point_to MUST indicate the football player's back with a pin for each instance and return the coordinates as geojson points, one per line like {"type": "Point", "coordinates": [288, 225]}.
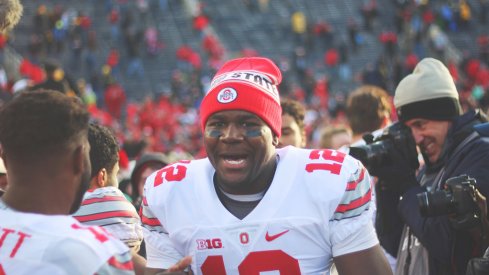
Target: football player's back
{"type": "Point", "coordinates": [44, 142]}
{"type": "Point", "coordinates": [57, 243]}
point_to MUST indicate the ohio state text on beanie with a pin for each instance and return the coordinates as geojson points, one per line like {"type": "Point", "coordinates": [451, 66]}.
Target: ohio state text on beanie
{"type": "Point", "coordinates": [248, 84]}
{"type": "Point", "coordinates": [429, 92]}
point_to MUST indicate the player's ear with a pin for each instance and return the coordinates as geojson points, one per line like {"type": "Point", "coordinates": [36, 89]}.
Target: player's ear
{"type": "Point", "coordinates": [78, 164]}
{"type": "Point", "coordinates": [304, 138]}
{"type": "Point", "coordinates": [102, 178]}
{"type": "Point", "coordinates": [275, 140]}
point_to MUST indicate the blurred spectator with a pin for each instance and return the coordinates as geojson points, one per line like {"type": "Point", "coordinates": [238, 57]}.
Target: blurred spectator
{"type": "Point", "coordinates": [133, 39]}
{"type": "Point", "coordinates": [353, 35]}
{"type": "Point", "coordinates": [299, 26]}
{"type": "Point", "coordinates": [483, 43]}
{"type": "Point", "coordinates": [465, 14]}
{"type": "Point", "coordinates": [113, 19]}
{"type": "Point", "coordinates": [321, 93]}
{"type": "Point", "coordinates": [143, 6]}
{"type": "Point", "coordinates": [200, 22]}
{"type": "Point", "coordinates": [484, 8]}
{"type": "Point", "coordinates": [31, 71]}
{"type": "Point", "coordinates": [331, 57]}
{"type": "Point", "coordinates": [42, 27]}
{"type": "Point", "coordinates": [293, 128]}
{"type": "Point", "coordinates": [299, 61]}
{"type": "Point", "coordinates": [77, 46]}
{"type": "Point", "coordinates": [91, 53]}
{"type": "Point", "coordinates": [57, 80]}
{"type": "Point", "coordinates": [325, 33]}
{"type": "Point", "coordinates": [368, 110]}
{"type": "Point", "coordinates": [335, 137]}
{"type": "Point", "coordinates": [113, 62]}
{"type": "Point", "coordinates": [389, 40]}
{"type": "Point", "coordinates": [60, 32]}
{"type": "Point", "coordinates": [115, 99]}
{"type": "Point", "coordinates": [372, 76]}
{"type": "Point", "coordinates": [369, 12]}
{"type": "Point", "coordinates": [153, 44]}
{"type": "Point", "coordinates": [145, 166]}
{"type": "Point", "coordinates": [410, 63]}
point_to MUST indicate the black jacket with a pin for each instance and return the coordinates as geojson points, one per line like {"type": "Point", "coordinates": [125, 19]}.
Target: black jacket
{"type": "Point", "coordinates": [466, 152]}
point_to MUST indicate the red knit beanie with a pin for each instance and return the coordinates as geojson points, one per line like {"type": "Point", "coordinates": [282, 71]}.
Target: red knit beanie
{"type": "Point", "coordinates": [248, 84]}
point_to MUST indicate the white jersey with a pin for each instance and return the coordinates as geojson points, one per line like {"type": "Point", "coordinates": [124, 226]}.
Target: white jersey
{"type": "Point", "coordinates": [317, 207]}
{"type": "Point", "coordinates": [108, 207]}
{"type": "Point", "coordinates": [57, 244]}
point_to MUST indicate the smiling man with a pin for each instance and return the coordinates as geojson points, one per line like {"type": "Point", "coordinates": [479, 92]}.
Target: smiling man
{"type": "Point", "coordinates": [250, 208]}
{"type": "Point", "coordinates": [427, 102]}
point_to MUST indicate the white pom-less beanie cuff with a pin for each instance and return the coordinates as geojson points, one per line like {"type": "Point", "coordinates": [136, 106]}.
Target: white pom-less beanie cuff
{"type": "Point", "coordinates": [429, 92]}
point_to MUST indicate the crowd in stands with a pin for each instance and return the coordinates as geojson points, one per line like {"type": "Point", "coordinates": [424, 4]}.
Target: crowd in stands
{"type": "Point", "coordinates": [166, 122]}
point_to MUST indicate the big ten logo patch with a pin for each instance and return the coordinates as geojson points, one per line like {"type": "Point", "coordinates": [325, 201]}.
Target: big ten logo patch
{"type": "Point", "coordinates": [209, 244]}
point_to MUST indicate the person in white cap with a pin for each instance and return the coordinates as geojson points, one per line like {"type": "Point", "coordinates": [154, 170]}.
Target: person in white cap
{"type": "Point", "coordinates": [250, 208]}
{"type": "Point", "coordinates": [451, 143]}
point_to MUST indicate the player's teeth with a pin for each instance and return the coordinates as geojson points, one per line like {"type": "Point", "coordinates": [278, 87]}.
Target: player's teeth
{"type": "Point", "coordinates": [235, 161]}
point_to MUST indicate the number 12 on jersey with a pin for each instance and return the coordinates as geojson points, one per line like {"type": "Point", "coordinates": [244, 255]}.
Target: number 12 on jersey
{"type": "Point", "coordinates": [254, 263]}
{"type": "Point", "coordinates": [334, 161]}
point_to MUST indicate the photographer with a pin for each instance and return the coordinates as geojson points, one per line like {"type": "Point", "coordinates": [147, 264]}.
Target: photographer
{"type": "Point", "coordinates": [427, 103]}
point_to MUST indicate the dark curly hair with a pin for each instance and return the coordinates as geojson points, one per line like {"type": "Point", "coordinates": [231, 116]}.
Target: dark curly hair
{"type": "Point", "coordinates": [39, 123]}
{"type": "Point", "coordinates": [295, 109]}
{"type": "Point", "coordinates": [104, 150]}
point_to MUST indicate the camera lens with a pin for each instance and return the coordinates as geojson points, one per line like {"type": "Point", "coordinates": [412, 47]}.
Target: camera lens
{"type": "Point", "coordinates": [435, 204]}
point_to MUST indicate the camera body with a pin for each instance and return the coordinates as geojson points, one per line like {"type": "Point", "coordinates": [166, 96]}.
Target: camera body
{"type": "Point", "coordinates": [458, 200]}
{"type": "Point", "coordinates": [395, 139]}
{"type": "Point", "coordinates": [479, 266]}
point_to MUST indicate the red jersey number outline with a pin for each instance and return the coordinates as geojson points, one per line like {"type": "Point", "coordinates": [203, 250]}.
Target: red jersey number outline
{"type": "Point", "coordinates": [254, 263]}
{"type": "Point", "coordinates": [99, 233]}
{"type": "Point", "coordinates": [335, 161]}
{"type": "Point", "coordinates": [173, 172]}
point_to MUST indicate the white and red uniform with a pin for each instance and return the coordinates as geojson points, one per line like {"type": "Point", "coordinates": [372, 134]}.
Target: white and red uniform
{"type": "Point", "coordinates": [317, 207]}
{"type": "Point", "coordinates": [108, 207]}
{"type": "Point", "coordinates": [52, 244]}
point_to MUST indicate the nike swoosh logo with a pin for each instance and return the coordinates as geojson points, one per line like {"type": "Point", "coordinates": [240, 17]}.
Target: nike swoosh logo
{"type": "Point", "coordinates": [270, 238]}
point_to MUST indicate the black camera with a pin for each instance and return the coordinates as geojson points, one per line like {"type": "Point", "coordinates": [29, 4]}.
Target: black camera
{"type": "Point", "coordinates": [479, 266]}
{"type": "Point", "coordinates": [395, 139]}
{"type": "Point", "coordinates": [458, 200]}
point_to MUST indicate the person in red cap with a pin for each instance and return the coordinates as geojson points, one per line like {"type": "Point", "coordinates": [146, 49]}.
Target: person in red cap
{"type": "Point", "coordinates": [249, 207]}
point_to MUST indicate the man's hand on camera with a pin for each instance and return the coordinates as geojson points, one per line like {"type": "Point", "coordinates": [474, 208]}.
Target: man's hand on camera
{"type": "Point", "coordinates": [397, 173]}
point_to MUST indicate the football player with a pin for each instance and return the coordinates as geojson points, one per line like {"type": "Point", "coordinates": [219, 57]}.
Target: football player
{"type": "Point", "coordinates": [43, 135]}
{"type": "Point", "coordinates": [250, 208]}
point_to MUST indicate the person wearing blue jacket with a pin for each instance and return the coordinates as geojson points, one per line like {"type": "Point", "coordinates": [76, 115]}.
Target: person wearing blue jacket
{"type": "Point", "coordinates": [451, 144]}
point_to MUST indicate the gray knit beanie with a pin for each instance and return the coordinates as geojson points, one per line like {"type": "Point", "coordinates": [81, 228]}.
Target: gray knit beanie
{"type": "Point", "coordinates": [429, 92]}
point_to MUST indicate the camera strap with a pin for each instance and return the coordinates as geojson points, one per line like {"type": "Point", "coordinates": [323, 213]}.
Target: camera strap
{"type": "Point", "coordinates": [436, 184]}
